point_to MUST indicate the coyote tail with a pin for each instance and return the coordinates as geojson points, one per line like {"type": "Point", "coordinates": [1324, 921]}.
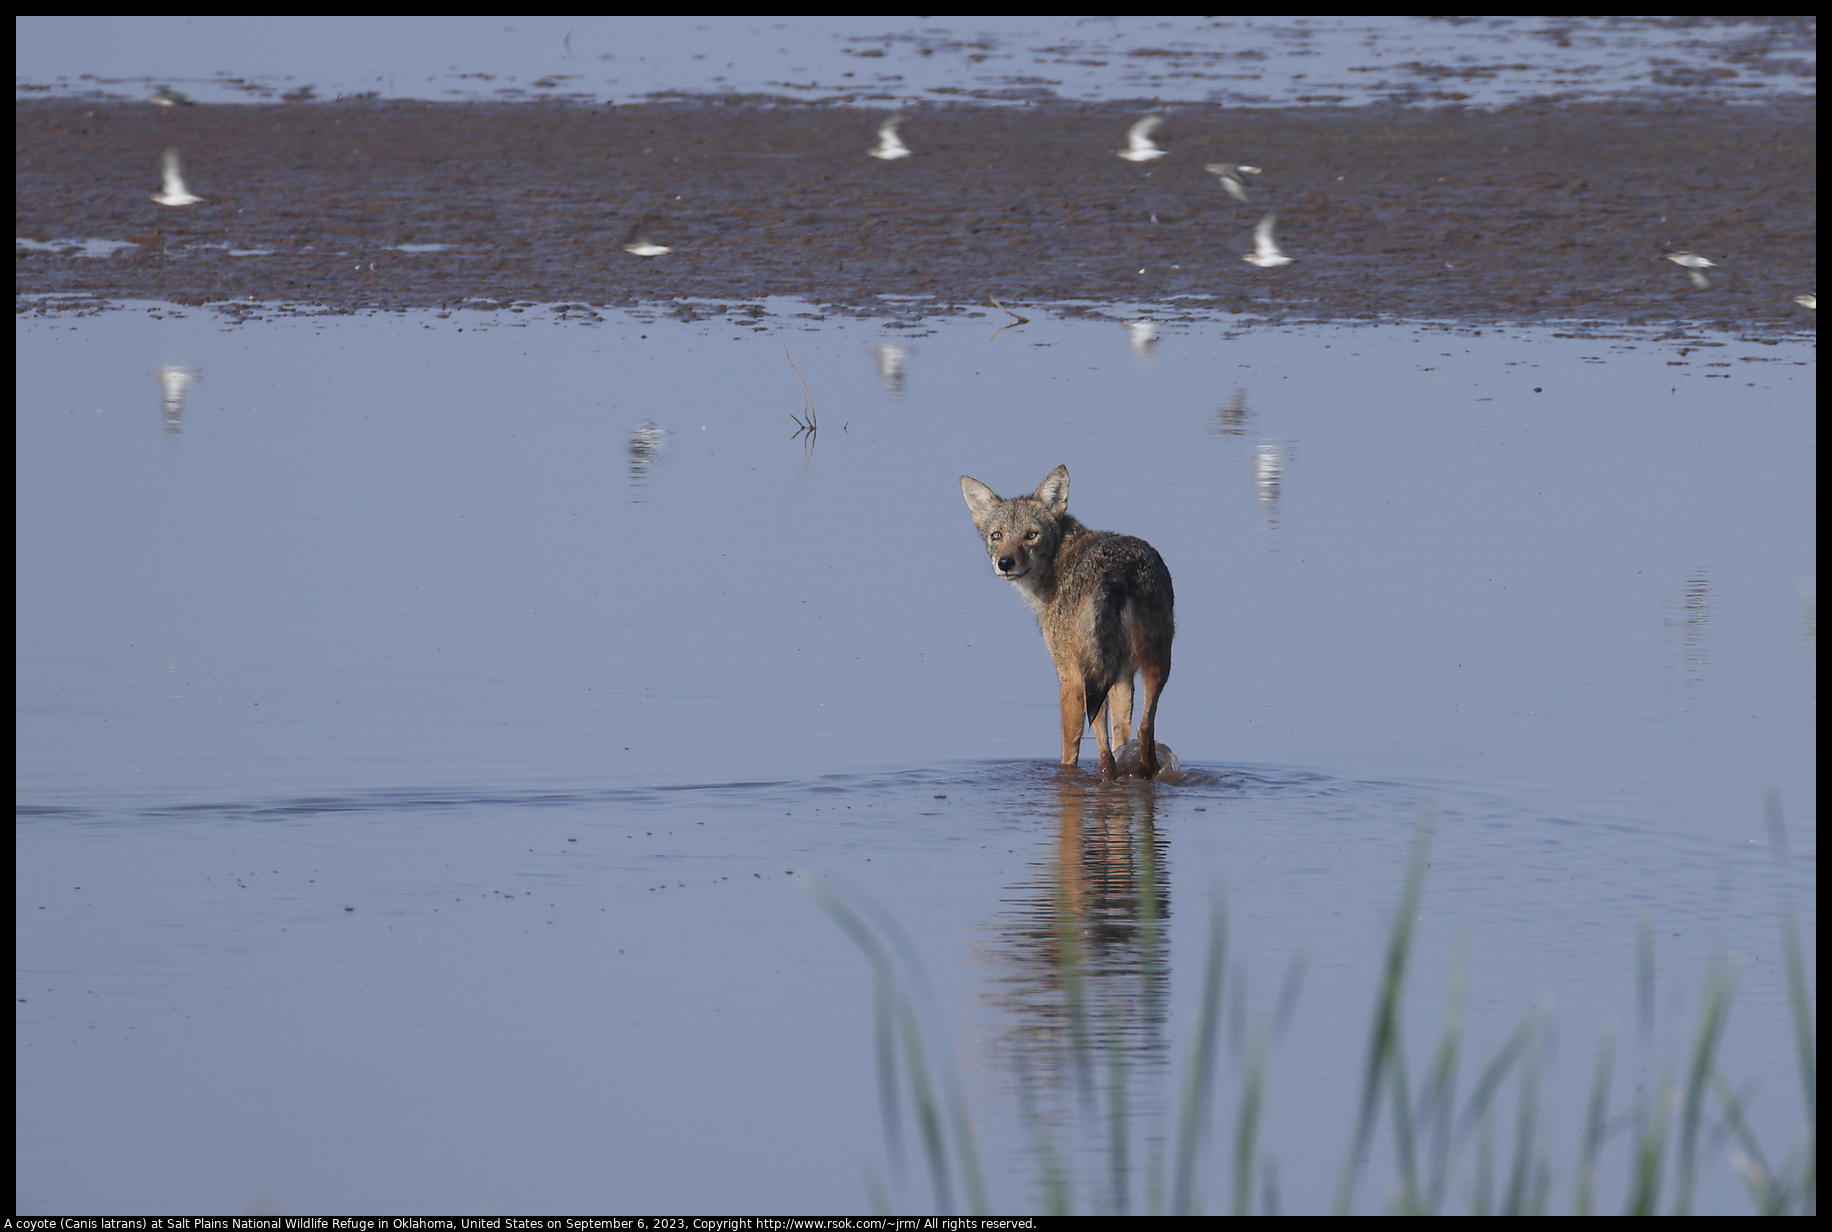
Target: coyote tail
{"type": "Point", "coordinates": [1102, 672]}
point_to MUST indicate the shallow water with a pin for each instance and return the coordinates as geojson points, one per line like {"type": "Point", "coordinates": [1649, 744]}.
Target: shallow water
{"type": "Point", "coordinates": [435, 727]}
{"type": "Point", "coordinates": [864, 59]}
{"type": "Point", "coordinates": [423, 728]}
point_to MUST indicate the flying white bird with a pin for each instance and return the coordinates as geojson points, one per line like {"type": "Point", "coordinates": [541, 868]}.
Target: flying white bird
{"type": "Point", "coordinates": [638, 244]}
{"type": "Point", "coordinates": [1693, 264]}
{"type": "Point", "coordinates": [175, 190]}
{"type": "Point", "coordinates": [1139, 146]}
{"type": "Point", "coordinates": [890, 146]}
{"type": "Point", "coordinates": [1266, 253]}
{"type": "Point", "coordinates": [1229, 174]}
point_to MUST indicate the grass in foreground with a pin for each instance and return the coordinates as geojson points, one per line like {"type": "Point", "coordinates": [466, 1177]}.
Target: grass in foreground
{"type": "Point", "coordinates": [1442, 1144]}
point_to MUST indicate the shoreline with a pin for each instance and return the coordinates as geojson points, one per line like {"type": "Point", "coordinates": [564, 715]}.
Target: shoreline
{"type": "Point", "coordinates": [1530, 213]}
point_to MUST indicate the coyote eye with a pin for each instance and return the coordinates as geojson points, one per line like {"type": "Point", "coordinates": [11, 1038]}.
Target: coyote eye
{"type": "Point", "coordinates": [995, 536]}
{"type": "Point", "coordinates": [1030, 536]}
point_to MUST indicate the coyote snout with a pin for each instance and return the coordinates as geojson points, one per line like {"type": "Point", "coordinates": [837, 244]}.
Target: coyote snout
{"type": "Point", "coordinates": [1104, 602]}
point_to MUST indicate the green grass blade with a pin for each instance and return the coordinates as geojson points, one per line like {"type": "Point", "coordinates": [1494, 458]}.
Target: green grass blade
{"type": "Point", "coordinates": [1521, 1198]}
{"type": "Point", "coordinates": [1384, 1031]}
{"type": "Point", "coordinates": [1799, 997]}
{"type": "Point", "coordinates": [1767, 1191]}
{"type": "Point", "coordinates": [1438, 1095]}
{"type": "Point", "coordinates": [1198, 1080]}
{"type": "Point", "coordinates": [883, 1007]}
{"type": "Point", "coordinates": [1246, 1129]}
{"type": "Point", "coordinates": [893, 1006]}
{"type": "Point", "coordinates": [1648, 1160]}
{"type": "Point", "coordinates": [1596, 1117]}
{"type": "Point", "coordinates": [1720, 989]}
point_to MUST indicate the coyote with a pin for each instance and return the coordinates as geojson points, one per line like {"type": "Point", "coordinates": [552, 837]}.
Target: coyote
{"type": "Point", "coordinates": [1104, 602]}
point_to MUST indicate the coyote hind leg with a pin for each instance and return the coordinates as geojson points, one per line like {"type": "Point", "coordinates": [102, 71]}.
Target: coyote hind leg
{"type": "Point", "coordinates": [1108, 770]}
{"type": "Point", "coordinates": [1155, 674]}
{"type": "Point", "coordinates": [1119, 708]}
{"type": "Point", "coordinates": [1072, 721]}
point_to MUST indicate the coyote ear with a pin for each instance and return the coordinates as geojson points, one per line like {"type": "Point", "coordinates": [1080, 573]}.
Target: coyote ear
{"type": "Point", "coordinates": [979, 496]}
{"type": "Point", "coordinates": [1053, 492]}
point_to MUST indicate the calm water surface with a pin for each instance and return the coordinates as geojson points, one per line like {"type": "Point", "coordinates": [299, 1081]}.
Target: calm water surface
{"type": "Point", "coordinates": [424, 723]}
{"type": "Point", "coordinates": [849, 59]}
{"type": "Point", "coordinates": [428, 726]}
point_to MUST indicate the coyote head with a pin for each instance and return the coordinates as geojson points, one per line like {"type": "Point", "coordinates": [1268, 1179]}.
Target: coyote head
{"type": "Point", "coordinates": [1021, 535]}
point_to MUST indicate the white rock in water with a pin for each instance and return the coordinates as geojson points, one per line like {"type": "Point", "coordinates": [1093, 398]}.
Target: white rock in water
{"type": "Point", "coordinates": [1126, 760]}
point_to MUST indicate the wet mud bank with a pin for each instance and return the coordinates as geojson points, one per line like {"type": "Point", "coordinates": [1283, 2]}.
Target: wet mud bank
{"type": "Point", "coordinates": [1535, 212]}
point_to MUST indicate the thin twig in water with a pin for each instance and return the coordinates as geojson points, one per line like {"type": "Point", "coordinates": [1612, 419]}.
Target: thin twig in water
{"type": "Point", "coordinates": [1015, 319]}
{"type": "Point", "coordinates": [802, 425]}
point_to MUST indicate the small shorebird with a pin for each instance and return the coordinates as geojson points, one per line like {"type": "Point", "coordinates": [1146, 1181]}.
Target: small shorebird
{"type": "Point", "coordinates": [175, 191]}
{"type": "Point", "coordinates": [165, 96]}
{"type": "Point", "coordinates": [1229, 174]}
{"type": "Point", "coordinates": [889, 146]}
{"type": "Point", "coordinates": [890, 365]}
{"type": "Point", "coordinates": [1694, 265]}
{"type": "Point", "coordinates": [1142, 337]}
{"type": "Point", "coordinates": [1266, 253]}
{"type": "Point", "coordinates": [1268, 470]}
{"type": "Point", "coordinates": [1809, 301]}
{"type": "Point", "coordinates": [646, 444]}
{"type": "Point", "coordinates": [174, 380]}
{"type": "Point", "coordinates": [1139, 146]}
{"type": "Point", "coordinates": [637, 243]}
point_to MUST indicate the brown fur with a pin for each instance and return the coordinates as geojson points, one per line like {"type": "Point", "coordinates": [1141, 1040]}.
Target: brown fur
{"type": "Point", "coordinates": [1104, 603]}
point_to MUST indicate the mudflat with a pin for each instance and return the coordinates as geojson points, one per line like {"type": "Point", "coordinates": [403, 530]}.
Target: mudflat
{"type": "Point", "coordinates": [1531, 212]}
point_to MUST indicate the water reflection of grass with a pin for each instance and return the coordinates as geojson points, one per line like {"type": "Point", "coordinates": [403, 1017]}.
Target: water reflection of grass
{"type": "Point", "coordinates": [1440, 1144]}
